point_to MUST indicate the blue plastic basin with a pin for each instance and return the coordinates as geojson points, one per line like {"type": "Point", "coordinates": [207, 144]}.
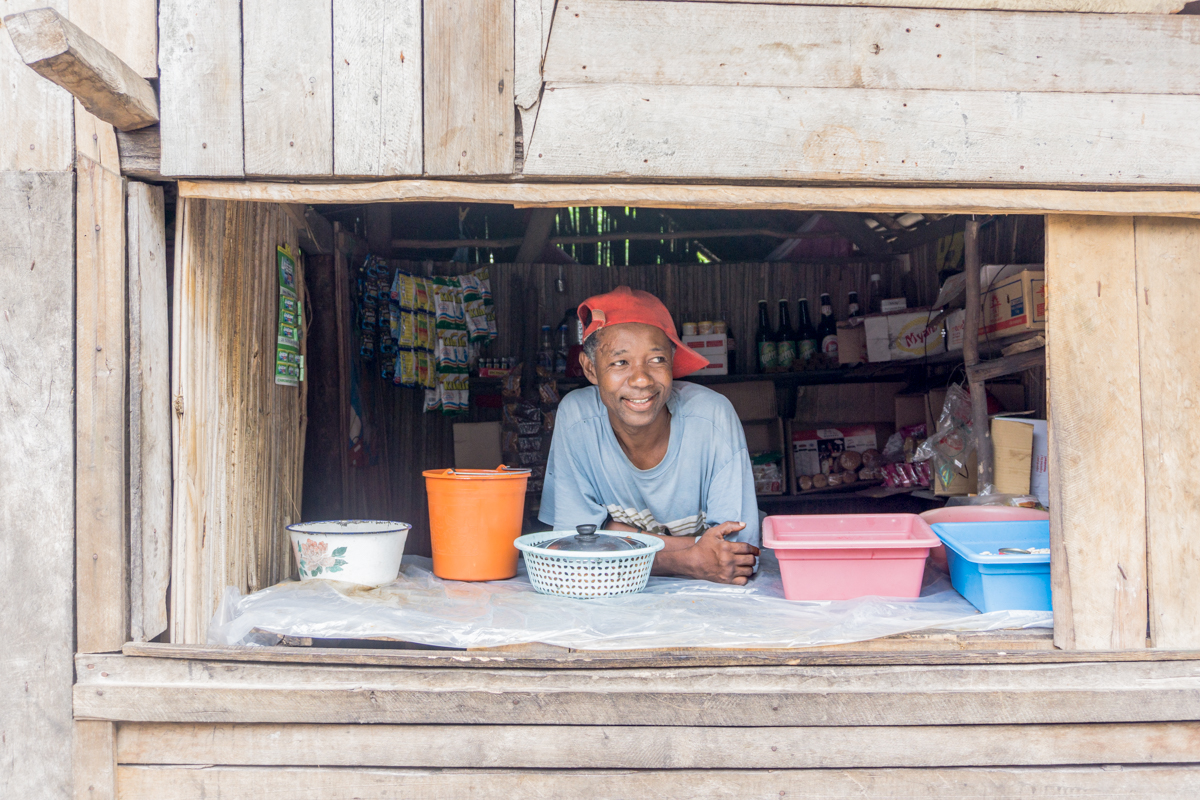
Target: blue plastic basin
{"type": "Point", "coordinates": [998, 582]}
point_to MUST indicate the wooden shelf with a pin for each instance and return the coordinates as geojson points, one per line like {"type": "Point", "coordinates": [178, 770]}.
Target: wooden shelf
{"type": "Point", "coordinates": [1007, 365]}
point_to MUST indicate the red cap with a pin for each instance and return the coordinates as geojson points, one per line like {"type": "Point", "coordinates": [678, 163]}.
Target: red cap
{"type": "Point", "coordinates": [623, 305]}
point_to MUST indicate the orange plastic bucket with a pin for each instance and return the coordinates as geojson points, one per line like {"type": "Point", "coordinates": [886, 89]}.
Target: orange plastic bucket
{"type": "Point", "coordinates": [474, 517]}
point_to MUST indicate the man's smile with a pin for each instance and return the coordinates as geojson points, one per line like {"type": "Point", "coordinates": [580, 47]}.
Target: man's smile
{"type": "Point", "coordinates": [639, 403]}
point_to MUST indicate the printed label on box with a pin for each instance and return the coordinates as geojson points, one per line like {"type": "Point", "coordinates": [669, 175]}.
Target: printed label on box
{"type": "Point", "coordinates": [814, 451]}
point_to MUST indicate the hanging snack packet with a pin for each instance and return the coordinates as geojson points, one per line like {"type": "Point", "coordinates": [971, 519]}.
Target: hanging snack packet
{"type": "Point", "coordinates": [404, 291]}
{"type": "Point", "coordinates": [422, 300]}
{"type": "Point", "coordinates": [423, 367]}
{"type": "Point", "coordinates": [475, 313]}
{"type": "Point", "coordinates": [406, 367]}
{"type": "Point", "coordinates": [433, 398]}
{"type": "Point", "coordinates": [548, 390]}
{"type": "Point", "coordinates": [408, 329]}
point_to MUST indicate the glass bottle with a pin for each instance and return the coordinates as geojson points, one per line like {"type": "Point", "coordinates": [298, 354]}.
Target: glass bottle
{"type": "Point", "coordinates": [764, 340]}
{"type": "Point", "coordinates": [560, 355]}
{"type": "Point", "coordinates": [853, 308]}
{"type": "Point", "coordinates": [785, 338]}
{"type": "Point", "coordinates": [806, 337]}
{"type": "Point", "coordinates": [875, 304]}
{"type": "Point", "coordinates": [827, 327]}
{"type": "Point", "coordinates": [545, 359]}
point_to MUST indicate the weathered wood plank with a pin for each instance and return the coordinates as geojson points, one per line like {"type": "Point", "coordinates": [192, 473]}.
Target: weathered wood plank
{"type": "Point", "coordinates": [37, 473]}
{"type": "Point", "coordinates": [887, 199]}
{"type": "Point", "coordinates": [226, 783]}
{"type": "Point", "coordinates": [377, 87]}
{"type": "Point", "coordinates": [616, 41]}
{"type": "Point", "coordinates": [288, 87]}
{"type": "Point", "coordinates": [615, 747]}
{"type": "Point", "coordinates": [1003, 650]}
{"type": "Point", "coordinates": [36, 113]}
{"type": "Point", "coordinates": [59, 51]}
{"type": "Point", "coordinates": [1167, 260]}
{"type": "Point", "coordinates": [1097, 503]}
{"type": "Point", "coordinates": [100, 373]}
{"type": "Point", "coordinates": [149, 412]}
{"type": "Point", "coordinates": [200, 56]}
{"type": "Point", "coordinates": [165, 690]}
{"type": "Point", "coordinates": [140, 154]}
{"type": "Point", "coordinates": [867, 135]}
{"type": "Point", "coordinates": [94, 760]}
{"type": "Point", "coordinates": [531, 34]}
{"type": "Point", "coordinates": [129, 28]}
{"type": "Point", "coordinates": [469, 114]}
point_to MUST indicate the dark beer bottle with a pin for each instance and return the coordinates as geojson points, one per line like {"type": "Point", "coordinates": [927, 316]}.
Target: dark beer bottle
{"type": "Point", "coordinates": [764, 339]}
{"type": "Point", "coordinates": [827, 327]}
{"type": "Point", "coordinates": [806, 336]}
{"type": "Point", "coordinates": [785, 338]}
{"type": "Point", "coordinates": [854, 309]}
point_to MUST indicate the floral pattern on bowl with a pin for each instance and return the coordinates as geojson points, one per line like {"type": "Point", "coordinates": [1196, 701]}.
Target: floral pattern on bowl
{"type": "Point", "coordinates": [312, 560]}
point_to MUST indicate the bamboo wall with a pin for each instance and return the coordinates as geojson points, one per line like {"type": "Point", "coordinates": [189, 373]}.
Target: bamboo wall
{"type": "Point", "coordinates": [238, 437]}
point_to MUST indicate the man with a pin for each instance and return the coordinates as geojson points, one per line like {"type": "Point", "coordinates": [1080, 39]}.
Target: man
{"type": "Point", "coordinates": [637, 452]}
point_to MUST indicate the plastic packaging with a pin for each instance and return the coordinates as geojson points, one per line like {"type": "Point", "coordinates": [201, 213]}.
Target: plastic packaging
{"type": "Point", "coordinates": [669, 612]}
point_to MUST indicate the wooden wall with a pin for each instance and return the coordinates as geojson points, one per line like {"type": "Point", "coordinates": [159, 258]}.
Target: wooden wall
{"type": "Point", "coordinates": [617, 90]}
{"type": "Point", "coordinates": [238, 437]}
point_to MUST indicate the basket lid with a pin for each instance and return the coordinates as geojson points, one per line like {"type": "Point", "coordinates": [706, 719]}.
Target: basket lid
{"type": "Point", "coordinates": [588, 541]}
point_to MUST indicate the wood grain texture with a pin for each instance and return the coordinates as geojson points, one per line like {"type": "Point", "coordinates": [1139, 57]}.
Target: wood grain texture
{"type": "Point", "coordinates": [140, 154]}
{"type": "Point", "coordinates": [129, 28]}
{"type": "Point", "coordinates": [37, 473]}
{"type": "Point", "coordinates": [1167, 259]}
{"type": "Point", "coordinates": [887, 199]}
{"type": "Point", "coordinates": [1097, 502]}
{"type": "Point", "coordinates": [287, 87]}
{"type": "Point", "coordinates": [200, 57]}
{"type": "Point", "coordinates": [925, 648]}
{"type": "Point", "coordinates": [605, 747]}
{"type": "Point", "coordinates": [469, 114]}
{"type": "Point", "coordinates": [237, 465]}
{"type": "Point", "coordinates": [225, 783]}
{"type": "Point", "coordinates": [120, 688]}
{"type": "Point", "coordinates": [149, 412]}
{"type": "Point", "coordinates": [616, 41]}
{"type": "Point", "coordinates": [36, 113]}
{"type": "Point", "coordinates": [377, 87]}
{"type": "Point", "coordinates": [761, 133]}
{"type": "Point", "coordinates": [59, 51]}
{"type": "Point", "coordinates": [94, 760]}
{"type": "Point", "coordinates": [100, 374]}
{"type": "Point", "coordinates": [532, 21]}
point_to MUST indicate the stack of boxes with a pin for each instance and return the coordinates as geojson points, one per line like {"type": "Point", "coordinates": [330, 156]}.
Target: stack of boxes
{"type": "Point", "coordinates": [755, 405]}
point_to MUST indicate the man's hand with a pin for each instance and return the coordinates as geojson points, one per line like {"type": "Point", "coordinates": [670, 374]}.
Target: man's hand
{"type": "Point", "coordinates": [711, 558]}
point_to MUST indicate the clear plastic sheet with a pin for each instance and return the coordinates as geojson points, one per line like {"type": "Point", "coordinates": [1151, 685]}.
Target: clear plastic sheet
{"type": "Point", "coordinates": [671, 612]}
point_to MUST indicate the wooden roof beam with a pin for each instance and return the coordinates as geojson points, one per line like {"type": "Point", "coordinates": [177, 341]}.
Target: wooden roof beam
{"type": "Point", "coordinates": [105, 85]}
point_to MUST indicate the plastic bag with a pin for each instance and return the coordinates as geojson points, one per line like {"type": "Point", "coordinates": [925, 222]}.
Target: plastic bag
{"type": "Point", "coordinates": [954, 440]}
{"type": "Point", "coordinates": [671, 612]}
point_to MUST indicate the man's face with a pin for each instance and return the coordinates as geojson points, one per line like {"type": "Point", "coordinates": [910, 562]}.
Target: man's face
{"type": "Point", "coordinates": [633, 372]}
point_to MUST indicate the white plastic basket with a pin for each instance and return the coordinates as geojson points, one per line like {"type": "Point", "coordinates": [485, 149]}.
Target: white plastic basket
{"type": "Point", "coordinates": [584, 575]}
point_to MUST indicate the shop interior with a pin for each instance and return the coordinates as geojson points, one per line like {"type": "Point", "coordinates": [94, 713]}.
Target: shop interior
{"type": "Point", "coordinates": [415, 337]}
{"type": "Point", "coordinates": [711, 268]}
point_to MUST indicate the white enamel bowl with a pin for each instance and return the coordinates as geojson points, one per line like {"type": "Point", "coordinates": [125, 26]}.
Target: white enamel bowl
{"type": "Point", "coordinates": [366, 552]}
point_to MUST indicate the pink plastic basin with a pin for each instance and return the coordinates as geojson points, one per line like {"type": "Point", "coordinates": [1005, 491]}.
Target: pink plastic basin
{"type": "Point", "coordinates": [976, 514]}
{"type": "Point", "coordinates": [843, 556]}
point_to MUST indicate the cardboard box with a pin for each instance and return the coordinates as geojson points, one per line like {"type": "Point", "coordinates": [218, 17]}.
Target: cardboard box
{"type": "Point", "coordinates": [477, 445]}
{"type": "Point", "coordinates": [894, 337]}
{"type": "Point", "coordinates": [766, 436]}
{"type": "Point", "coordinates": [753, 400]}
{"type": "Point", "coordinates": [1038, 461]}
{"type": "Point", "coordinates": [814, 450]}
{"type": "Point", "coordinates": [845, 403]}
{"type": "Point", "coordinates": [1015, 304]}
{"type": "Point", "coordinates": [911, 410]}
{"type": "Point", "coordinates": [852, 342]}
{"type": "Point", "coordinates": [956, 323]}
{"type": "Point", "coordinates": [1012, 455]}
{"type": "Point", "coordinates": [714, 347]}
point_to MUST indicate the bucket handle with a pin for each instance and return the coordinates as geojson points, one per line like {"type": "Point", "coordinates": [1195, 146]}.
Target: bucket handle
{"type": "Point", "coordinates": [501, 468]}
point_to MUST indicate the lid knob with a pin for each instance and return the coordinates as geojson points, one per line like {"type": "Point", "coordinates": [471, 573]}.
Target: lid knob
{"type": "Point", "coordinates": [585, 533]}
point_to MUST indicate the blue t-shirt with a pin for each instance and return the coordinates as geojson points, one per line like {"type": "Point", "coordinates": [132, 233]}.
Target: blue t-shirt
{"type": "Point", "coordinates": [704, 479]}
